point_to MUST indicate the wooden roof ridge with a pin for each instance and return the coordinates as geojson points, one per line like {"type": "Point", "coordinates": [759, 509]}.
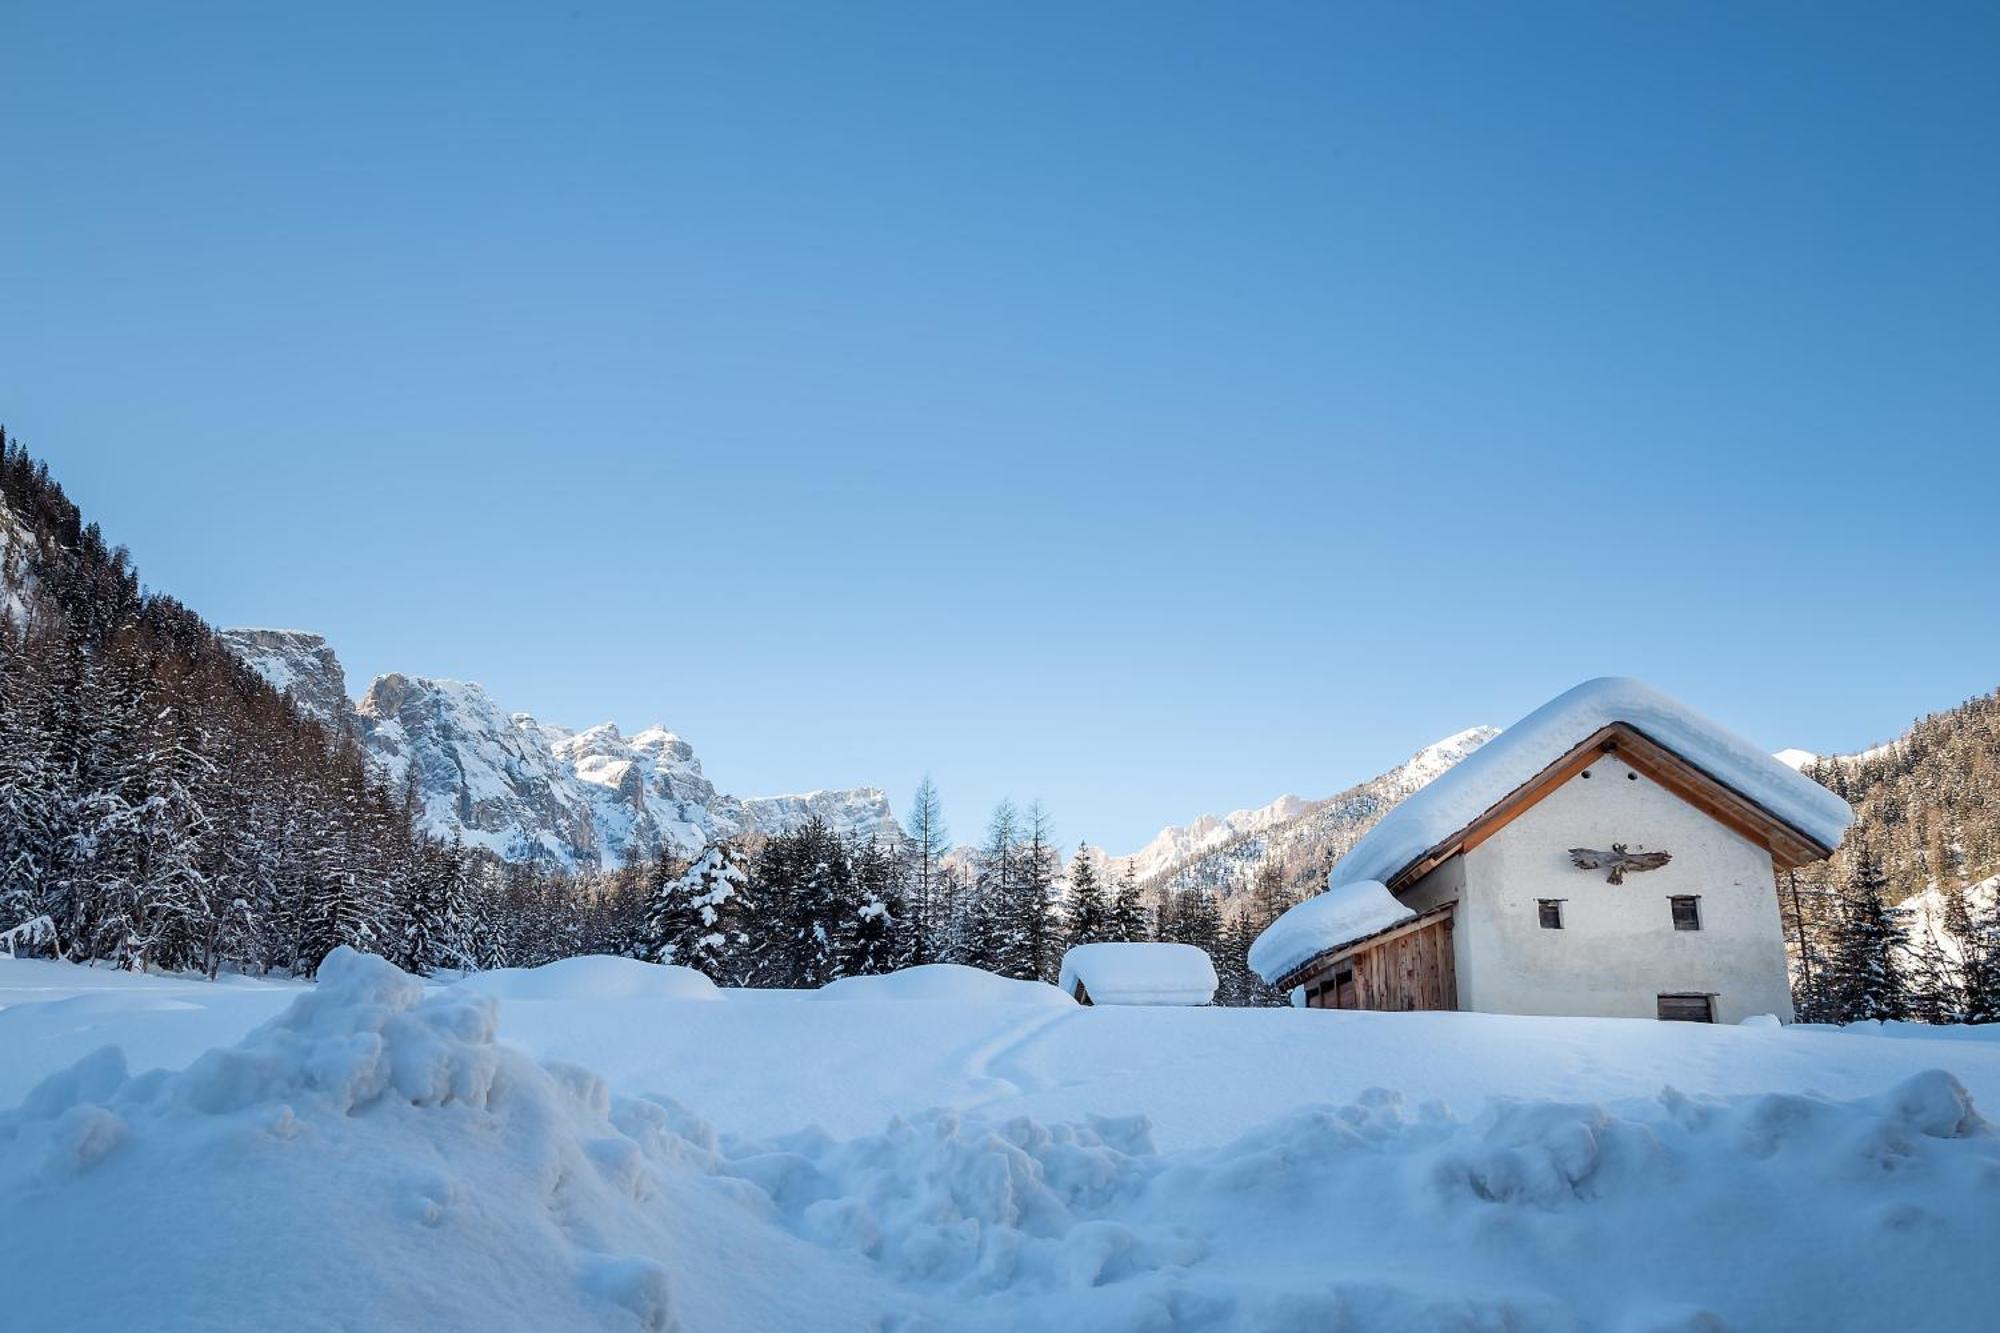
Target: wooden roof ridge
{"type": "Point", "coordinates": [1789, 845]}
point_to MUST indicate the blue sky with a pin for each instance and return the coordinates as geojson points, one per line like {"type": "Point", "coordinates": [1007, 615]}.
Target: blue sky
{"type": "Point", "coordinates": [1151, 408]}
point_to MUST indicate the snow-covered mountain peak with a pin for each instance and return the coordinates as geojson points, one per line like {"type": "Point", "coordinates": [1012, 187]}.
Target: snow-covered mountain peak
{"type": "Point", "coordinates": [1438, 756]}
{"type": "Point", "coordinates": [521, 787]}
{"type": "Point", "coordinates": [1176, 843]}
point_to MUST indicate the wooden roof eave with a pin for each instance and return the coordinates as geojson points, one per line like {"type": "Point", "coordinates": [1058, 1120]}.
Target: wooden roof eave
{"type": "Point", "coordinates": [1326, 958]}
{"type": "Point", "coordinates": [1789, 847]}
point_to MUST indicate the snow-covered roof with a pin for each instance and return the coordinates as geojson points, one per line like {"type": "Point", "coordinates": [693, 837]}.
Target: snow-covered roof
{"type": "Point", "coordinates": [1341, 915]}
{"type": "Point", "coordinates": [1462, 794]}
{"type": "Point", "coordinates": [1148, 973]}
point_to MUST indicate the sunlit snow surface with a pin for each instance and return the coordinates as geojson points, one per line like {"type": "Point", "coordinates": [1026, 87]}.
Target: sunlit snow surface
{"type": "Point", "coordinates": [588, 1149]}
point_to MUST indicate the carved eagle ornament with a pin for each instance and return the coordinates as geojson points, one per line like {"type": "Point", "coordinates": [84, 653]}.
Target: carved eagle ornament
{"type": "Point", "coordinates": [1618, 860]}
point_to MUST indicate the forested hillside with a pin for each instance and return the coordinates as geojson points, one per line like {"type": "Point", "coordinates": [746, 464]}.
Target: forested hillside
{"type": "Point", "coordinates": [160, 805]}
{"type": "Point", "coordinates": [1927, 825]}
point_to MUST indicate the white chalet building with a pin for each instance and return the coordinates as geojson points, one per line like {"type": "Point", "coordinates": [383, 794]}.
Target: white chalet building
{"type": "Point", "coordinates": [1613, 853]}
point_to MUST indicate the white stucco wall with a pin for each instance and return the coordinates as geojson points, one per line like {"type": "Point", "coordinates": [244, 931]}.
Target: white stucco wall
{"type": "Point", "coordinates": [1618, 949]}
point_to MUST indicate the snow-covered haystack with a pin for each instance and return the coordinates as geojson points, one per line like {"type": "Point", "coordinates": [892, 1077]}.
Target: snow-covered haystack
{"type": "Point", "coordinates": [1143, 972]}
{"type": "Point", "coordinates": [592, 977]}
{"type": "Point", "coordinates": [1341, 915]}
{"type": "Point", "coordinates": [942, 983]}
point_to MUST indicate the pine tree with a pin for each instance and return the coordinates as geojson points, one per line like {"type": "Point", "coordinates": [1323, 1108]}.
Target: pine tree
{"type": "Point", "coordinates": [27, 836]}
{"type": "Point", "coordinates": [878, 942]}
{"type": "Point", "coordinates": [1128, 908]}
{"type": "Point", "coordinates": [1270, 895]}
{"type": "Point", "coordinates": [1808, 910]}
{"type": "Point", "coordinates": [1236, 984]}
{"type": "Point", "coordinates": [1032, 923]}
{"type": "Point", "coordinates": [1089, 915]}
{"type": "Point", "coordinates": [806, 884]}
{"type": "Point", "coordinates": [928, 841]}
{"type": "Point", "coordinates": [1867, 978]}
{"type": "Point", "coordinates": [693, 919]}
{"type": "Point", "coordinates": [1933, 984]}
{"type": "Point", "coordinates": [1978, 946]}
{"type": "Point", "coordinates": [991, 939]}
{"type": "Point", "coordinates": [983, 938]}
{"type": "Point", "coordinates": [1192, 917]}
{"type": "Point", "coordinates": [433, 910]}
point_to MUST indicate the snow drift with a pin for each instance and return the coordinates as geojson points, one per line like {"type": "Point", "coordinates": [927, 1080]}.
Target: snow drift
{"type": "Point", "coordinates": [374, 1157]}
{"type": "Point", "coordinates": [593, 977]}
{"type": "Point", "coordinates": [948, 983]}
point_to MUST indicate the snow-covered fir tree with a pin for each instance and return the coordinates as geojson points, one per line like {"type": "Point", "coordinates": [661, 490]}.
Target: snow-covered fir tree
{"type": "Point", "coordinates": [1867, 976]}
{"type": "Point", "coordinates": [811, 908]}
{"type": "Point", "coordinates": [1088, 913]}
{"type": "Point", "coordinates": [1129, 919]}
{"type": "Point", "coordinates": [695, 919]}
{"type": "Point", "coordinates": [1035, 938]}
{"type": "Point", "coordinates": [878, 942]}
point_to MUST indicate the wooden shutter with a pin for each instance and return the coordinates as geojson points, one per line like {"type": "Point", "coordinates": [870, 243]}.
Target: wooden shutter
{"type": "Point", "coordinates": [1687, 1008]}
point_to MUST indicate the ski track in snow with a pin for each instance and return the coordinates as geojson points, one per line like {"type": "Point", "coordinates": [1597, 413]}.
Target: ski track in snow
{"type": "Point", "coordinates": [995, 1064]}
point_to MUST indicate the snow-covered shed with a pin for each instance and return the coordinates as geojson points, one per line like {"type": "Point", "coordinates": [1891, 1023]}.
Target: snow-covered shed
{"type": "Point", "coordinates": [1137, 973]}
{"type": "Point", "coordinates": [1613, 853]}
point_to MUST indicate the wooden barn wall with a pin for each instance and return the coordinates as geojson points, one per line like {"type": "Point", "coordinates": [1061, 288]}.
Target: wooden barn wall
{"type": "Point", "coordinates": [1412, 971]}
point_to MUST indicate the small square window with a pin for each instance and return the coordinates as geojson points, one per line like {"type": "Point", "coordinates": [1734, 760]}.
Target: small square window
{"type": "Point", "coordinates": [1550, 910]}
{"type": "Point", "coordinates": [1687, 913]}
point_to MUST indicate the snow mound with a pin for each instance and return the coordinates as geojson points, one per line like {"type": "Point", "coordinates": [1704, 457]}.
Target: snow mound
{"type": "Point", "coordinates": [593, 977]}
{"type": "Point", "coordinates": [1342, 915]}
{"type": "Point", "coordinates": [942, 983]}
{"type": "Point", "coordinates": [1466, 791]}
{"type": "Point", "coordinates": [1026, 1223]}
{"type": "Point", "coordinates": [1136, 973]}
{"type": "Point", "coordinates": [368, 1150]}
{"type": "Point", "coordinates": [974, 1206]}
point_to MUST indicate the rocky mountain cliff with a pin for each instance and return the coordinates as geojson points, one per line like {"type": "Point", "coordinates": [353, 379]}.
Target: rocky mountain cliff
{"type": "Point", "coordinates": [525, 789]}
{"type": "Point", "coordinates": [300, 665]}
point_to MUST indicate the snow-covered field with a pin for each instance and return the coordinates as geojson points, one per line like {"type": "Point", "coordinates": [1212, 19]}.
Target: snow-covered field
{"type": "Point", "coordinates": [606, 1144]}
